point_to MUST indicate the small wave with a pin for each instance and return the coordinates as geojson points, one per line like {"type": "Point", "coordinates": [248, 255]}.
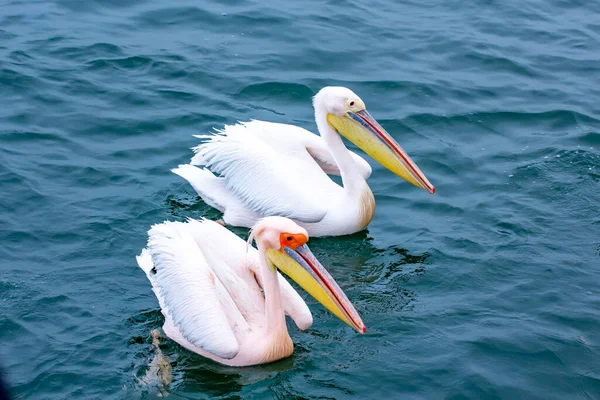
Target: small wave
{"type": "Point", "coordinates": [138, 63]}
{"type": "Point", "coordinates": [97, 50]}
{"type": "Point", "coordinates": [563, 116]}
{"type": "Point", "coordinates": [27, 136]}
{"type": "Point", "coordinates": [17, 82]}
{"type": "Point", "coordinates": [5, 35]}
{"type": "Point", "coordinates": [177, 16]}
{"type": "Point", "coordinates": [591, 139]}
{"type": "Point", "coordinates": [275, 91]}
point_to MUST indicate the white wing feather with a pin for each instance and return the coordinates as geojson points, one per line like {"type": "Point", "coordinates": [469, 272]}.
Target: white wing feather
{"type": "Point", "coordinates": [187, 286]}
{"type": "Point", "coordinates": [239, 255]}
{"type": "Point", "coordinates": [293, 139]}
{"type": "Point", "coordinates": [262, 177]}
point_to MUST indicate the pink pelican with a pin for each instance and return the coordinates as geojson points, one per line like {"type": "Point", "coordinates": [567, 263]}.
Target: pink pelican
{"type": "Point", "coordinates": [257, 168]}
{"type": "Point", "coordinates": [225, 300]}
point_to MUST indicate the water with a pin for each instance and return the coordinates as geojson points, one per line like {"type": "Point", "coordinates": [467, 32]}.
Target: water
{"type": "Point", "coordinates": [488, 289]}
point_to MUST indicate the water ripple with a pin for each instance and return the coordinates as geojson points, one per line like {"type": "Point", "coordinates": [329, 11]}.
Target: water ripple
{"type": "Point", "coordinates": [487, 289]}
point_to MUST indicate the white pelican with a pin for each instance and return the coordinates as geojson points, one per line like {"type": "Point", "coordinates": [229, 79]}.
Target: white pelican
{"type": "Point", "coordinates": [277, 169]}
{"type": "Point", "coordinates": [208, 283]}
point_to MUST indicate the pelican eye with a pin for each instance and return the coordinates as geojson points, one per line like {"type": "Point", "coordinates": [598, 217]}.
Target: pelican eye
{"type": "Point", "coordinates": [289, 238]}
{"type": "Point", "coordinates": [352, 103]}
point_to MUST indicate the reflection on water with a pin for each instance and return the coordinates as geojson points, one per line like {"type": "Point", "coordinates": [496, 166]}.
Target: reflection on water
{"type": "Point", "coordinates": [163, 367]}
{"type": "Point", "coordinates": [159, 372]}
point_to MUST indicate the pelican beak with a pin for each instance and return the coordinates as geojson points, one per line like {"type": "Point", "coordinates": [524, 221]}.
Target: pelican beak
{"type": "Point", "coordinates": [365, 132]}
{"type": "Point", "coordinates": [302, 266]}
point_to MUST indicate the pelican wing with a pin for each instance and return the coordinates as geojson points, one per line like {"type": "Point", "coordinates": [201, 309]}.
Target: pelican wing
{"type": "Point", "coordinates": [266, 180]}
{"type": "Point", "coordinates": [291, 139]}
{"type": "Point", "coordinates": [189, 291]}
{"type": "Point", "coordinates": [323, 157]}
{"type": "Point", "coordinates": [243, 258]}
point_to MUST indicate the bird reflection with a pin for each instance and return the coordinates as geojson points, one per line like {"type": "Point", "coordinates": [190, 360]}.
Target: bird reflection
{"type": "Point", "coordinates": [170, 368]}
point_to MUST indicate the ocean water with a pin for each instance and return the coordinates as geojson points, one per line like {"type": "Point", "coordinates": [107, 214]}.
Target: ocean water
{"type": "Point", "coordinates": [489, 289]}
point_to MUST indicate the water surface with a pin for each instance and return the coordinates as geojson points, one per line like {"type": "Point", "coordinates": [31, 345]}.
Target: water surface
{"type": "Point", "coordinates": [487, 290]}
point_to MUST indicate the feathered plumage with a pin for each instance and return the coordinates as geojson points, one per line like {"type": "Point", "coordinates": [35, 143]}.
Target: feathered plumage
{"type": "Point", "coordinates": [255, 169]}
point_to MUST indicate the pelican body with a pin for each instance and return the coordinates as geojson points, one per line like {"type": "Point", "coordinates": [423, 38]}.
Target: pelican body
{"type": "Point", "coordinates": [225, 300]}
{"type": "Point", "coordinates": [255, 169]}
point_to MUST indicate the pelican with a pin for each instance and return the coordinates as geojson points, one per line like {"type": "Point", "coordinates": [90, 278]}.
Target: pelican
{"type": "Point", "coordinates": [225, 300]}
{"type": "Point", "coordinates": [269, 168]}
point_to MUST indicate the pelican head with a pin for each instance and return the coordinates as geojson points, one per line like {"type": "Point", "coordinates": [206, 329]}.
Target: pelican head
{"type": "Point", "coordinates": [346, 114]}
{"type": "Point", "coordinates": [285, 249]}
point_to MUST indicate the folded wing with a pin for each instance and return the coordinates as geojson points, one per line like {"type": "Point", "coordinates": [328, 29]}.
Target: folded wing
{"type": "Point", "coordinates": [291, 139]}
{"type": "Point", "coordinates": [243, 258]}
{"type": "Point", "coordinates": [262, 177]}
{"type": "Point", "coordinates": [189, 290]}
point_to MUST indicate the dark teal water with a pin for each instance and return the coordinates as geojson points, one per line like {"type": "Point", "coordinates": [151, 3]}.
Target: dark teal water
{"type": "Point", "coordinates": [490, 289]}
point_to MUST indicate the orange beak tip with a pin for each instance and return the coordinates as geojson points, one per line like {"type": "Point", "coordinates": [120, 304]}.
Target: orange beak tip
{"type": "Point", "coordinates": [432, 190]}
